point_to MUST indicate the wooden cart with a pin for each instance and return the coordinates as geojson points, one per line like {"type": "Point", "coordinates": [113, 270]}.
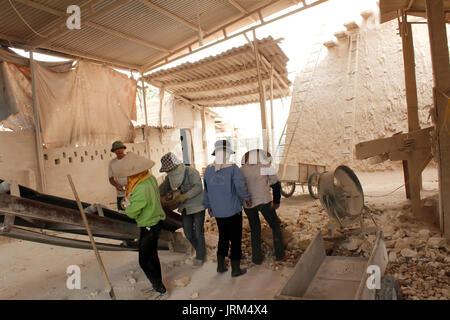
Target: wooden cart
{"type": "Point", "coordinates": [320, 277]}
{"type": "Point", "coordinates": [301, 174]}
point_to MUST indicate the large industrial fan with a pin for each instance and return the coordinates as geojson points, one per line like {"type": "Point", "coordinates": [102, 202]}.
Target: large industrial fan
{"type": "Point", "coordinates": [341, 195]}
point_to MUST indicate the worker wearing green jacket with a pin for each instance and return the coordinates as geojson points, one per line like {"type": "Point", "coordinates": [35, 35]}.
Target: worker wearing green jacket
{"type": "Point", "coordinates": [143, 204]}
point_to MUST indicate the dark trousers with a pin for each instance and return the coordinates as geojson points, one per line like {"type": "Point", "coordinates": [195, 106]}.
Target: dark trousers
{"type": "Point", "coordinates": [230, 231]}
{"type": "Point", "coordinates": [194, 232]}
{"type": "Point", "coordinates": [148, 254]}
{"type": "Point", "coordinates": [119, 199]}
{"type": "Point", "coordinates": [272, 219]}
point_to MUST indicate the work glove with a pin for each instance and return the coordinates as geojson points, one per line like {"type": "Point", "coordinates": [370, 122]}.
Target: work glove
{"type": "Point", "coordinates": [170, 200]}
{"type": "Point", "coordinates": [182, 198]}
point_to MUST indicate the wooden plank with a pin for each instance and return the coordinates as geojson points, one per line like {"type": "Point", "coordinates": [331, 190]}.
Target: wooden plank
{"type": "Point", "coordinates": [203, 128]}
{"type": "Point", "coordinates": [32, 209]}
{"type": "Point", "coordinates": [262, 98]}
{"type": "Point", "coordinates": [441, 76]}
{"type": "Point", "coordinates": [37, 128]}
{"type": "Point", "coordinates": [413, 186]}
{"type": "Point", "coordinates": [272, 124]}
{"type": "Point", "coordinates": [395, 145]}
{"type": "Point", "coordinates": [145, 99]}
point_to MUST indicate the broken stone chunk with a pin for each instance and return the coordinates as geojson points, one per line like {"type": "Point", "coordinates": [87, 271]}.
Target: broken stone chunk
{"type": "Point", "coordinates": [424, 233]}
{"type": "Point", "coordinates": [183, 281]}
{"type": "Point", "coordinates": [392, 256]}
{"type": "Point", "coordinates": [408, 253]}
{"type": "Point", "coordinates": [437, 242]}
{"type": "Point", "coordinates": [352, 244]}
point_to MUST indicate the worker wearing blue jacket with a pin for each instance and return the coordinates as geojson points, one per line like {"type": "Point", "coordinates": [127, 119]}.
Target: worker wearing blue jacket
{"type": "Point", "coordinates": [224, 193]}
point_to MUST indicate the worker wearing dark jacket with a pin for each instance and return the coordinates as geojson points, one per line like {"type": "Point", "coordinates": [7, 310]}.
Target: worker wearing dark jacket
{"type": "Point", "coordinates": [189, 201]}
{"type": "Point", "coordinates": [259, 175]}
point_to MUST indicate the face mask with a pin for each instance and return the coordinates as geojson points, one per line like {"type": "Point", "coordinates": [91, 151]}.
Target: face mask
{"type": "Point", "coordinates": [176, 177]}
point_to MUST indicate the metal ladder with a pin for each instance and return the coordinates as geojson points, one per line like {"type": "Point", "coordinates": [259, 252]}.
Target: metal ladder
{"type": "Point", "coordinates": [350, 95]}
{"type": "Point", "coordinates": [286, 138]}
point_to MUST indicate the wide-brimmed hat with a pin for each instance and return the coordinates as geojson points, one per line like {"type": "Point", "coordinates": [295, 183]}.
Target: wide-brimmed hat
{"type": "Point", "coordinates": [169, 161]}
{"type": "Point", "coordinates": [132, 164]}
{"type": "Point", "coordinates": [256, 156]}
{"type": "Point", "coordinates": [222, 145]}
{"type": "Point", "coordinates": [117, 145]}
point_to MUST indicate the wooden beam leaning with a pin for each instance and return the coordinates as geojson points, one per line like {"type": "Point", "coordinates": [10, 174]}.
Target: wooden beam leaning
{"type": "Point", "coordinates": [411, 166]}
{"type": "Point", "coordinates": [441, 76]}
{"type": "Point", "coordinates": [37, 127]}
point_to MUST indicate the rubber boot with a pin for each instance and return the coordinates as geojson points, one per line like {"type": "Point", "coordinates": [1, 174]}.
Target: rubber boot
{"type": "Point", "coordinates": [221, 267]}
{"type": "Point", "coordinates": [236, 270]}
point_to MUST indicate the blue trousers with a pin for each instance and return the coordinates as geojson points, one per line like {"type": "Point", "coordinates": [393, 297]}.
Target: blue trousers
{"type": "Point", "coordinates": [193, 227]}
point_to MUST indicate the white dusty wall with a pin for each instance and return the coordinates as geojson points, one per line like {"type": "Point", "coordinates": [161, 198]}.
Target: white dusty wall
{"type": "Point", "coordinates": [88, 166]}
{"type": "Point", "coordinates": [380, 107]}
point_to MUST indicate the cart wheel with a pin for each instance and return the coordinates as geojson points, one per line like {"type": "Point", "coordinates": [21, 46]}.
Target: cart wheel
{"type": "Point", "coordinates": [287, 189]}
{"type": "Point", "coordinates": [390, 289]}
{"type": "Point", "coordinates": [313, 185]}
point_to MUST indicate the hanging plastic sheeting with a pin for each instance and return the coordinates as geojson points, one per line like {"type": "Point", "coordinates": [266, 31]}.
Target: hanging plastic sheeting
{"type": "Point", "coordinates": [90, 105]}
{"type": "Point", "coordinates": [16, 102]}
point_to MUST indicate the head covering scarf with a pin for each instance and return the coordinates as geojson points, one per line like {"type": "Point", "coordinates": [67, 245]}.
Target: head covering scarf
{"type": "Point", "coordinates": [176, 176]}
{"type": "Point", "coordinates": [134, 180]}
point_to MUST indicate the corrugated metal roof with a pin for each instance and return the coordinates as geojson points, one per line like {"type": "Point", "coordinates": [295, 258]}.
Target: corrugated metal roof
{"type": "Point", "coordinates": [226, 79]}
{"type": "Point", "coordinates": [168, 29]}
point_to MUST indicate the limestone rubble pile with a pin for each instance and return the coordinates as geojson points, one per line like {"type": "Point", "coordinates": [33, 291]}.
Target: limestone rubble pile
{"type": "Point", "coordinates": [418, 257]}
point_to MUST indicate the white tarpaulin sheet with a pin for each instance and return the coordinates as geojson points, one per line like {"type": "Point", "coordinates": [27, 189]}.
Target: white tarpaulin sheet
{"type": "Point", "coordinates": [16, 102]}
{"type": "Point", "coordinates": [89, 105]}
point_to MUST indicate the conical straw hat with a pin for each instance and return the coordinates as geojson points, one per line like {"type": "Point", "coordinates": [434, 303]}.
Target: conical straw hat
{"type": "Point", "coordinates": [132, 164]}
